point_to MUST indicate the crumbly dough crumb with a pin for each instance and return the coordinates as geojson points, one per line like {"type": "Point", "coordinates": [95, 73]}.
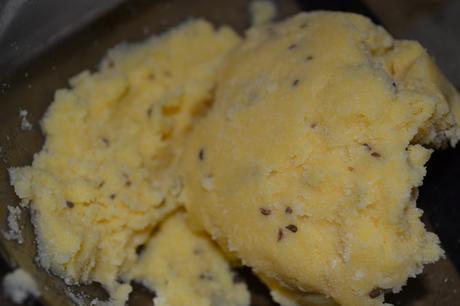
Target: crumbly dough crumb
{"type": "Point", "coordinates": [25, 124]}
{"type": "Point", "coordinates": [14, 231]}
{"type": "Point", "coordinates": [19, 286]}
{"type": "Point", "coordinates": [262, 12]}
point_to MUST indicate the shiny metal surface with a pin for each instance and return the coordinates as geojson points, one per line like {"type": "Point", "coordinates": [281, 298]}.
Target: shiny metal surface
{"type": "Point", "coordinates": [20, 41]}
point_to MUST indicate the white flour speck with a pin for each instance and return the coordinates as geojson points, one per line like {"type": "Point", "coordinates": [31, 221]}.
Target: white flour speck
{"type": "Point", "coordinates": [25, 124]}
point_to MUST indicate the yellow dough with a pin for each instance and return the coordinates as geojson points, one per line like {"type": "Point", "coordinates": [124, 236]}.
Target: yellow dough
{"type": "Point", "coordinates": [104, 178]}
{"type": "Point", "coordinates": [299, 150]}
{"type": "Point", "coordinates": [184, 268]}
{"type": "Point", "coordinates": [307, 166]}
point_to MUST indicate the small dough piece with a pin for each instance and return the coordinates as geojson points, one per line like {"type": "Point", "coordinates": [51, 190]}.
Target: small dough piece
{"type": "Point", "coordinates": [262, 12]}
{"type": "Point", "coordinates": [19, 286]}
{"type": "Point", "coordinates": [185, 268]}
{"type": "Point", "coordinates": [14, 231]}
{"type": "Point", "coordinates": [315, 146]}
{"type": "Point", "coordinates": [105, 176]}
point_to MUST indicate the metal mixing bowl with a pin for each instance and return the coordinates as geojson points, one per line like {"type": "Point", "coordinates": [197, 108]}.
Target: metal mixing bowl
{"type": "Point", "coordinates": [31, 85]}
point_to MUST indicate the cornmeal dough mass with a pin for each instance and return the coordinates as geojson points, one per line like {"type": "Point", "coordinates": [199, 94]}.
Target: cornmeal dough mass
{"type": "Point", "coordinates": [298, 148]}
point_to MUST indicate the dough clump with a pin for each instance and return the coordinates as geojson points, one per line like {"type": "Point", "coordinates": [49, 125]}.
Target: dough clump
{"type": "Point", "coordinates": [313, 152]}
